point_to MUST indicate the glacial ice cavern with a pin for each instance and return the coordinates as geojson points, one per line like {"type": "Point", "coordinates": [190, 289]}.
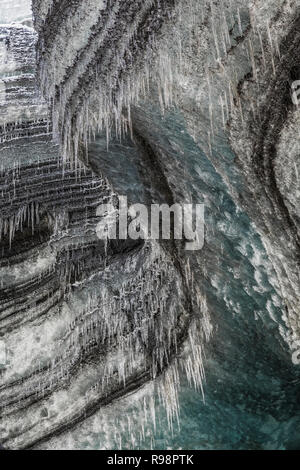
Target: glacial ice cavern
{"type": "Point", "coordinates": [141, 344]}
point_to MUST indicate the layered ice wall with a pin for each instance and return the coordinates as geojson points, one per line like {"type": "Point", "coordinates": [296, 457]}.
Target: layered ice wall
{"type": "Point", "coordinates": [80, 317]}
{"type": "Point", "coordinates": [95, 61]}
{"type": "Point", "coordinates": [164, 101]}
{"type": "Point", "coordinates": [247, 90]}
{"type": "Point", "coordinates": [233, 59]}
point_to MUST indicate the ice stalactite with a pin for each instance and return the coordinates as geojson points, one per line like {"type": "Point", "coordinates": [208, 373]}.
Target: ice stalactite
{"type": "Point", "coordinates": [90, 89]}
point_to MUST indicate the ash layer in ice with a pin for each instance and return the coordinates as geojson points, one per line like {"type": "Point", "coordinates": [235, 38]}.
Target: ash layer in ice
{"type": "Point", "coordinates": [165, 101]}
{"type": "Point", "coordinates": [103, 318]}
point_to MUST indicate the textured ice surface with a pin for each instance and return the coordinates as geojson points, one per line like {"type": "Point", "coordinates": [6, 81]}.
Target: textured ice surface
{"type": "Point", "coordinates": [131, 345]}
{"type": "Point", "coordinates": [18, 11]}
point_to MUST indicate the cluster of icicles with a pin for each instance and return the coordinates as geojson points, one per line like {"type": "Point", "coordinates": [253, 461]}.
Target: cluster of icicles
{"type": "Point", "coordinates": [107, 105]}
{"type": "Point", "coordinates": [105, 320]}
{"type": "Point", "coordinates": [23, 201]}
{"type": "Point", "coordinates": [121, 326]}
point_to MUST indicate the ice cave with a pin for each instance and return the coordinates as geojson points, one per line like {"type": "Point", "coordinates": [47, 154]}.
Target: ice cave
{"type": "Point", "coordinates": [139, 343]}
